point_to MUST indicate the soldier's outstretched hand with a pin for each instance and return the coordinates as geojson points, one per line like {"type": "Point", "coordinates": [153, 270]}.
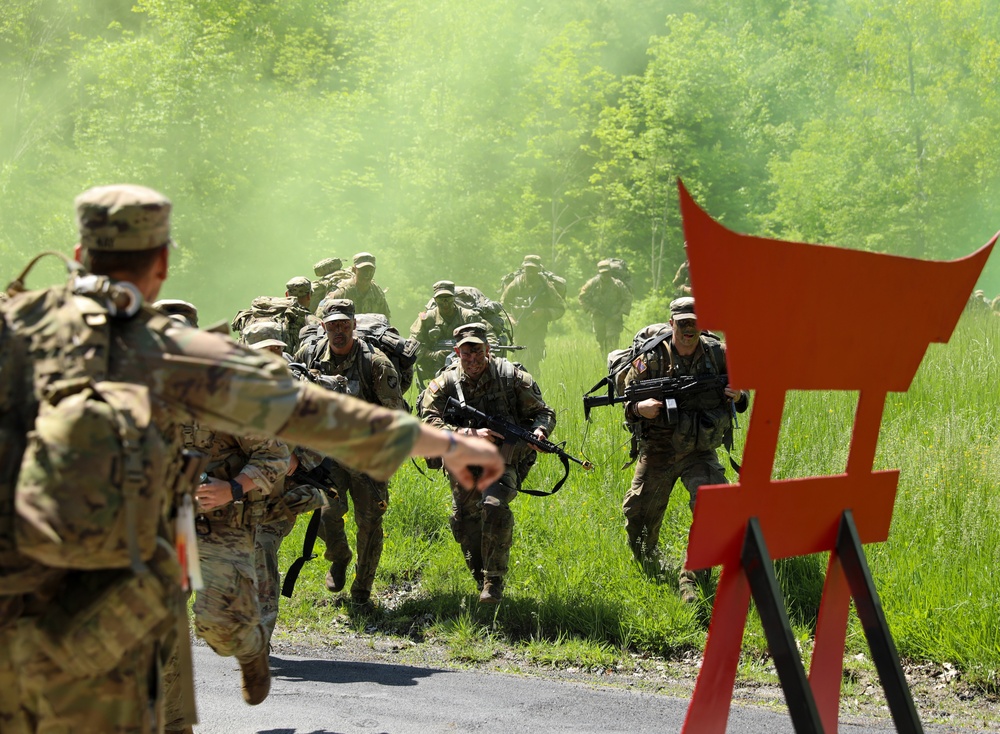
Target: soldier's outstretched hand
{"type": "Point", "coordinates": [473, 462]}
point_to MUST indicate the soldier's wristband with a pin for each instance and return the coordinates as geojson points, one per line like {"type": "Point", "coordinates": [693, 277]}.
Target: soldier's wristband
{"type": "Point", "coordinates": [237, 490]}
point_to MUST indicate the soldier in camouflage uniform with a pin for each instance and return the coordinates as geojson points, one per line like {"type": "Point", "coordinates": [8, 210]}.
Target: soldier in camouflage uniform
{"type": "Point", "coordinates": [328, 272]}
{"type": "Point", "coordinates": [682, 281]}
{"type": "Point", "coordinates": [242, 472]}
{"type": "Point", "coordinates": [191, 375]}
{"type": "Point", "coordinates": [684, 450]}
{"type": "Point", "coordinates": [533, 301]}
{"type": "Point", "coordinates": [484, 526]}
{"type": "Point", "coordinates": [367, 296]}
{"type": "Point", "coordinates": [282, 507]}
{"type": "Point", "coordinates": [364, 372]}
{"type": "Point", "coordinates": [434, 327]}
{"type": "Point", "coordinates": [608, 301]}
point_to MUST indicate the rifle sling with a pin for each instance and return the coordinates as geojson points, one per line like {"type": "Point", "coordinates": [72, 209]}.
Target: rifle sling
{"type": "Point", "coordinates": [558, 485]}
{"type": "Point", "coordinates": [312, 531]}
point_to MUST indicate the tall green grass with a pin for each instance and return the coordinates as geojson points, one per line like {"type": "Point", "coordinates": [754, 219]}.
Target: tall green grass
{"type": "Point", "coordinates": [574, 594]}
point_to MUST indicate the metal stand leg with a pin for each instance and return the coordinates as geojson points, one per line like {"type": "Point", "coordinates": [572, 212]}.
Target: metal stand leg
{"type": "Point", "coordinates": [883, 649]}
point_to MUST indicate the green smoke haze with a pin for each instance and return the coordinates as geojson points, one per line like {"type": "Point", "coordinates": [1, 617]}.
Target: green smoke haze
{"type": "Point", "coordinates": [451, 138]}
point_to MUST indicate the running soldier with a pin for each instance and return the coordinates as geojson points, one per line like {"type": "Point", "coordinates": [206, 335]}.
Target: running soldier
{"type": "Point", "coordinates": [608, 301]}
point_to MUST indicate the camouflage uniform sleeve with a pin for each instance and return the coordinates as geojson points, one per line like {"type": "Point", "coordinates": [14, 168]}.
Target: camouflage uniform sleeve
{"type": "Point", "coordinates": [268, 461]}
{"type": "Point", "coordinates": [387, 387]}
{"type": "Point", "coordinates": [384, 304]}
{"type": "Point", "coordinates": [417, 329]}
{"type": "Point", "coordinates": [626, 299]}
{"type": "Point", "coordinates": [555, 304]}
{"type": "Point", "coordinates": [435, 400]}
{"type": "Point", "coordinates": [531, 406]}
{"type": "Point", "coordinates": [216, 382]}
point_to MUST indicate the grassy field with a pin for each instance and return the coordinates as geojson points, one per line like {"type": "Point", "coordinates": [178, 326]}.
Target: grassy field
{"type": "Point", "coordinates": [575, 597]}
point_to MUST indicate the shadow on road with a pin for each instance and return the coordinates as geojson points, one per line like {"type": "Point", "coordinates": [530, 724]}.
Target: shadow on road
{"type": "Point", "coordinates": [332, 671]}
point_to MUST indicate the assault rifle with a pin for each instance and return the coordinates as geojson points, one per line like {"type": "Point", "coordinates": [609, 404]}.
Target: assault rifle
{"type": "Point", "coordinates": [667, 389]}
{"type": "Point", "coordinates": [449, 344]}
{"type": "Point", "coordinates": [321, 477]}
{"type": "Point", "coordinates": [513, 434]}
{"type": "Point", "coordinates": [336, 383]}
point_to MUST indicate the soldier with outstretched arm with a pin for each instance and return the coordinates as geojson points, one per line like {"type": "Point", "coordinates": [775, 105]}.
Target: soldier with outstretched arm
{"type": "Point", "coordinates": [48, 682]}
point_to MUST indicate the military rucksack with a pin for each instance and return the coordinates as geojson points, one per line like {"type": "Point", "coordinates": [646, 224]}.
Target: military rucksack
{"type": "Point", "coordinates": [619, 270]}
{"type": "Point", "coordinates": [284, 311]}
{"type": "Point", "coordinates": [84, 471]}
{"type": "Point", "coordinates": [489, 311]}
{"type": "Point", "coordinates": [557, 280]}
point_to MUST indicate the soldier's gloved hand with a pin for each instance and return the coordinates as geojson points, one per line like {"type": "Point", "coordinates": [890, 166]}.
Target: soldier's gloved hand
{"type": "Point", "coordinates": [649, 408]}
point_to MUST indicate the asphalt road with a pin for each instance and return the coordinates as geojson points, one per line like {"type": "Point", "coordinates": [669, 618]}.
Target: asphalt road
{"type": "Point", "coordinates": [314, 696]}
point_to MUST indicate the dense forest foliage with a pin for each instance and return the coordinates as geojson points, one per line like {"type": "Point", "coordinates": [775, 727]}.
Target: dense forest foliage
{"type": "Point", "coordinates": [450, 138]}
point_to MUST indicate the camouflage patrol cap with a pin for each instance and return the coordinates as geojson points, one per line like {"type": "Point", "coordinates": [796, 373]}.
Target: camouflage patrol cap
{"type": "Point", "coordinates": [604, 266]}
{"type": "Point", "coordinates": [298, 286]}
{"type": "Point", "coordinates": [123, 217]}
{"type": "Point", "coordinates": [327, 265]}
{"type": "Point", "coordinates": [682, 308]}
{"type": "Point", "coordinates": [338, 309]}
{"type": "Point", "coordinates": [474, 333]}
{"type": "Point", "coordinates": [532, 261]}
{"type": "Point", "coordinates": [174, 307]}
{"type": "Point", "coordinates": [263, 334]}
{"type": "Point", "coordinates": [364, 260]}
{"type": "Point", "coordinates": [444, 288]}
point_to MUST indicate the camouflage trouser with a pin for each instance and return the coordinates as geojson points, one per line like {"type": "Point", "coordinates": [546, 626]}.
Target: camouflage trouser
{"type": "Point", "coordinates": [656, 472]}
{"type": "Point", "coordinates": [226, 611]}
{"type": "Point", "coordinates": [371, 499]}
{"type": "Point", "coordinates": [483, 524]}
{"type": "Point", "coordinates": [267, 539]}
{"type": "Point", "coordinates": [36, 695]}
{"type": "Point", "coordinates": [607, 329]}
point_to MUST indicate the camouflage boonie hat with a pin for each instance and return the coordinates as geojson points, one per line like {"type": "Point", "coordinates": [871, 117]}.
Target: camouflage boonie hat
{"type": "Point", "coordinates": [364, 260]}
{"type": "Point", "coordinates": [337, 310]}
{"type": "Point", "coordinates": [604, 266]}
{"type": "Point", "coordinates": [123, 217]}
{"type": "Point", "coordinates": [183, 311]}
{"type": "Point", "coordinates": [474, 333]}
{"type": "Point", "coordinates": [444, 288]}
{"type": "Point", "coordinates": [532, 261]}
{"type": "Point", "coordinates": [327, 265]}
{"type": "Point", "coordinates": [682, 308]}
{"type": "Point", "coordinates": [262, 334]}
{"type": "Point", "coordinates": [299, 286]}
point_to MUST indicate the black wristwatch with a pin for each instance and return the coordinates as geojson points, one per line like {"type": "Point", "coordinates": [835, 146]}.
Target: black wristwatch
{"type": "Point", "coordinates": [237, 490]}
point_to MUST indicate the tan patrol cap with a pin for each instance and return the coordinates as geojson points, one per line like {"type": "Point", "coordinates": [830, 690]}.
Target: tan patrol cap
{"type": "Point", "coordinates": [604, 266]}
{"type": "Point", "coordinates": [174, 307]}
{"type": "Point", "coordinates": [364, 260]}
{"type": "Point", "coordinates": [682, 308]}
{"type": "Point", "coordinates": [263, 334]}
{"type": "Point", "coordinates": [532, 261]}
{"type": "Point", "coordinates": [444, 288]}
{"type": "Point", "coordinates": [338, 309]}
{"type": "Point", "coordinates": [474, 333]}
{"type": "Point", "coordinates": [299, 286]}
{"type": "Point", "coordinates": [123, 217]}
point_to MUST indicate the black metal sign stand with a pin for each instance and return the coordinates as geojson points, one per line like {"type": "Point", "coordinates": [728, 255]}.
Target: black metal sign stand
{"type": "Point", "coordinates": [770, 603]}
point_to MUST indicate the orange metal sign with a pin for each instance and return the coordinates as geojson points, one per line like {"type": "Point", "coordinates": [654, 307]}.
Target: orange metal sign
{"type": "Point", "coordinates": [804, 317]}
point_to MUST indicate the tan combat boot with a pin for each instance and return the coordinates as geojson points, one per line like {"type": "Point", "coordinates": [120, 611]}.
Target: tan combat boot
{"type": "Point", "coordinates": [492, 590]}
{"type": "Point", "coordinates": [256, 674]}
